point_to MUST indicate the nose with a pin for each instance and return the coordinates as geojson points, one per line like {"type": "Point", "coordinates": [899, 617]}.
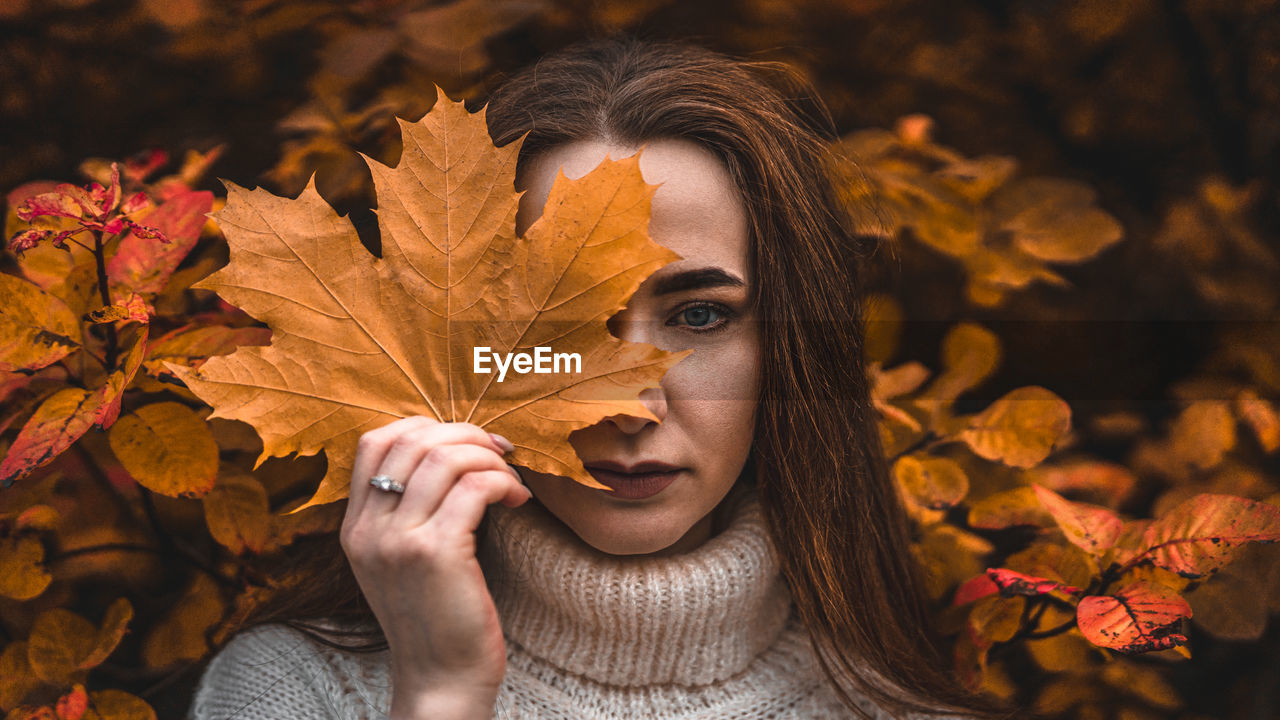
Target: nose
{"type": "Point", "coordinates": [654, 400]}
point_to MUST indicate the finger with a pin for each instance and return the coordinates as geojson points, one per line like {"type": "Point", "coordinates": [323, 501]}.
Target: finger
{"type": "Point", "coordinates": [372, 449]}
{"type": "Point", "coordinates": [409, 448]}
{"type": "Point", "coordinates": [463, 507]}
{"type": "Point", "coordinates": [438, 471]}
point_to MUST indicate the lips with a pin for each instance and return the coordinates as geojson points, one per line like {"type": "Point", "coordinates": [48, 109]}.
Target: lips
{"type": "Point", "coordinates": [637, 481]}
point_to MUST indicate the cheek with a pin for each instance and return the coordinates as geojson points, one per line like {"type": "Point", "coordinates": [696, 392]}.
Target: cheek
{"type": "Point", "coordinates": [716, 391]}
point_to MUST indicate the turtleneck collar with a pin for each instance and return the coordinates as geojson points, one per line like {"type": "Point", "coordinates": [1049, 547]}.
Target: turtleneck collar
{"type": "Point", "coordinates": [693, 619]}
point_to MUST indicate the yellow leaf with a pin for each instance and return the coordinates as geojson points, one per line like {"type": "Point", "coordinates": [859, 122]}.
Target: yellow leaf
{"type": "Point", "coordinates": [1020, 428]}
{"type": "Point", "coordinates": [36, 328]}
{"type": "Point", "coordinates": [167, 448]}
{"type": "Point", "coordinates": [1056, 561]}
{"type": "Point", "coordinates": [60, 640]}
{"type": "Point", "coordinates": [182, 634]}
{"type": "Point", "coordinates": [63, 645]}
{"type": "Point", "coordinates": [108, 636]}
{"type": "Point", "coordinates": [997, 618]}
{"type": "Point", "coordinates": [359, 342]}
{"type": "Point", "coordinates": [19, 678]}
{"type": "Point", "coordinates": [238, 514]}
{"type": "Point", "coordinates": [1143, 682]}
{"type": "Point", "coordinates": [22, 573]}
{"type": "Point", "coordinates": [932, 482]}
{"type": "Point", "coordinates": [1007, 508]}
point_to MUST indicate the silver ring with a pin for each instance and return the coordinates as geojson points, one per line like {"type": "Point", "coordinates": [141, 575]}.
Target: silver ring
{"type": "Point", "coordinates": [386, 483]}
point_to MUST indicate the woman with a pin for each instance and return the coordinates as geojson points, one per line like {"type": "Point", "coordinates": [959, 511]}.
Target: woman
{"type": "Point", "coordinates": [751, 560]}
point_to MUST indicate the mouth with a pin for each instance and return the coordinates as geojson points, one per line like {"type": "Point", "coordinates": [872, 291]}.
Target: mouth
{"type": "Point", "coordinates": [638, 481]}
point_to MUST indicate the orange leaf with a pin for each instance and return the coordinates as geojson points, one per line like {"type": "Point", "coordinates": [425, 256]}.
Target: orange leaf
{"type": "Point", "coordinates": [192, 345]}
{"type": "Point", "coordinates": [1138, 619]}
{"type": "Point", "coordinates": [1054, 219]}
{"type": "Point", "coordinates": [238, 514]}
{"type": "Point", "coordinates": [1262, 417]}
{"type": "Point", "coordinates": [19, 678]}
{"type": "Point", "coordinates": [905, 378]}
{"type": "Point", "coordinates": [1089, 527]}
{"type": "Point", "coordinates": [22, 573]}
{"type": "Point", "coordinates": [359, 342]}
{"type": "Point", "coordinates": [36, 328]}
{"type": "Point", "coordinates": [1110, 484]}
{"type": "Point", "coordinates": [118, 705]}
{"type": "Point", "coordinates": [970, 353]}
{"type": "Point", "coordinates": [1203, 433]}
{"type": "Point", "coordinates": [1020, 428]}
{"type": "Point", "coordinates": [931, 482]}
{"type": "Point", "coordinates": [167, 448]}
{"type": "Point", "coordinates": [1204, 533]}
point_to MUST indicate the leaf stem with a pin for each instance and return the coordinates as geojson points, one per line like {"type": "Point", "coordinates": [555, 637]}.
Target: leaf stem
{"type": "Point", "coordinates": [104, 292]}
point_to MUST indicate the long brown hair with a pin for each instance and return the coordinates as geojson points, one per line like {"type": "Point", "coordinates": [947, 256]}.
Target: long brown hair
{"type": "Point", "coordinates": [841, 534]}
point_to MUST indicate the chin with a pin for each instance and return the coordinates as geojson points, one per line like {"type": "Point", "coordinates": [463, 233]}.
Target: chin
{"type": "Point", "coordinates": [624, 533]}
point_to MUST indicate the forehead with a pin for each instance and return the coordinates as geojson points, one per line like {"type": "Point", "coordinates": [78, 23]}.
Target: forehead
{"type": "Point", "coordinates": [697, 210]}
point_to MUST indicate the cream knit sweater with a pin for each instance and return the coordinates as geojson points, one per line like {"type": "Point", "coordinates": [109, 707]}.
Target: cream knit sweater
{"type": "Point", "coordinates": [706, 634]}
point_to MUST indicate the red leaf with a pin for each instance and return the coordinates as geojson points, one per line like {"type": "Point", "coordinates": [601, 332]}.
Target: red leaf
{"type": "Point", "coordinates": [1092, 528]}
{"type": "Point", "coordinates": [59, 421]}
{"type": "Point", "coordinates": [112, 392]}
{"type": "Point", "coordinates": [73, 705]}
{"type": "Point", "coordinates": [1011, 582]}
{"type": "Point", "coordinates": [138, 167]}
{"type": "Point", "coordinates": [56, 203]}
{"type": "Point", "coordinates": [144, 264]}
{"type": "Point", "coordinates": [66, 415]}
{"type": "Point", "coordinates": [1203, 533]}
{"type": "Point", "coordinates": [27, 239]}
{"type": "Point", "coordinates": [135, 203]}
{"type": "Point", "coordinates": [975, 588]}
{"type": "Point", "coordinates": [1140, 618]}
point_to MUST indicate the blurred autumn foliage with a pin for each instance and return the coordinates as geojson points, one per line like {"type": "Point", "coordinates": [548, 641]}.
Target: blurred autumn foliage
{"type": "Point", "coordinates": [1074, 339]}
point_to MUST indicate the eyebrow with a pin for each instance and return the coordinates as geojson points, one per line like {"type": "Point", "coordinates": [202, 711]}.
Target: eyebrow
{"type": "Point", "coordinates": [695, 279]}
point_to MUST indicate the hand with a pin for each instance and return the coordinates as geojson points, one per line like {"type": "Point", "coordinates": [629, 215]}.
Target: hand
{"type": "Point", "coordinates": [414, 556]}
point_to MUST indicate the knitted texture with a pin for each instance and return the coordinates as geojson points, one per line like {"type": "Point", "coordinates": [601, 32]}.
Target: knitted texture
{"type": "Point", "coordinates": [705, 634]}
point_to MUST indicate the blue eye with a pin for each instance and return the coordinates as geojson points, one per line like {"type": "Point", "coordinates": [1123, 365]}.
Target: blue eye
{"type": "Point", "coordinates": [701, 317]}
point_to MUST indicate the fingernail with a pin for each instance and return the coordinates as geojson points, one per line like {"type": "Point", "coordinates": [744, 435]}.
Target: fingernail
{"type": "Point", "coordinates": [502, 442]}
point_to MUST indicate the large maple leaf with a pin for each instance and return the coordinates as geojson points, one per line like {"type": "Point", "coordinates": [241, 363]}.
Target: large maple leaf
{"type": "Point", "coordinates": [358, 342]}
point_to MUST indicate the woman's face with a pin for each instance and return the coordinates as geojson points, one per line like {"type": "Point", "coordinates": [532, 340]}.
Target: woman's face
{"type": "Point", "coordinates": [707, 402]}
